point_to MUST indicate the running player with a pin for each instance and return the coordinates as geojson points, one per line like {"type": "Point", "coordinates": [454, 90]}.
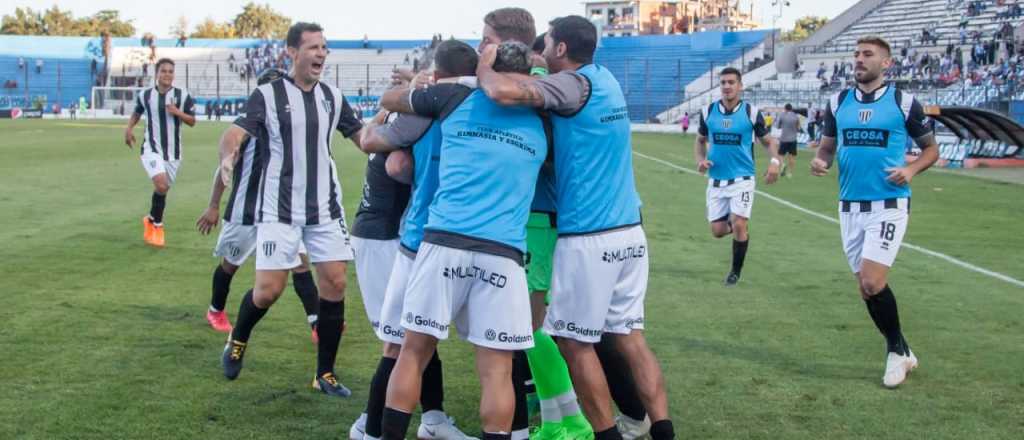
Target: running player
{"type": "Point", "coordinates": [600, 259]}
{"type": "Point", "coordinates": [729, 126]}
{"type": "Point", "coordinates": [472, 248]}
{"type": "Point", "coordinates": [300, 200]}
{"type": "Point", "coordinates": [237, 239]}
{"type": "Point", "coordinates": [166, 107]}
{"type": "Point", "coordinates": [869, 126]}
{"type": "Point", "coordinates": [789, 130]}
{"type": "Point", "coordinates": [389, 146]}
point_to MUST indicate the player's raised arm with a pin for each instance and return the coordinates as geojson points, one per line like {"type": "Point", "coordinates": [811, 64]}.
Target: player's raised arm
{"type": "Point", "coordinates": [506, 88]}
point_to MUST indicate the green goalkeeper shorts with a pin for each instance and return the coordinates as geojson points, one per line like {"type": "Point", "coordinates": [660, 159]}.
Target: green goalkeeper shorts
{"type": "Point", "coordinates": [541, 236]}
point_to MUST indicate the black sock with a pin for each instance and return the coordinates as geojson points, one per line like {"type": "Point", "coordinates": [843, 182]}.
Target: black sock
{"type": "Point", "coordinates": [221, 288]}
{"type": "Point", "coordinates": [739, 253]}
{"type": "Point", "coordinates": [521, 417]}
{"type": "Point", "coordinates": [156, 210]}
{"type": "Point", "coordinates": [492, 436]}
{"type": "Point", "coordinates": [248, 316]}
{"type": "Point", "coordinates": [329, 322]}
{"type": "Point", "coordinates": [432, 387]}
{"type": "Point", "coordinates": [608, 434]}
{"type": "Point", "coordinates": [306, 289]}
{"type": "Point", "coordinates": [394, 424]}
{"type": "Point", "coordinates": [662, 430]}
{"type": "Point", "coordinates": [883, 310]}
{"type": "Point", "coordinates": [378, 395]}
{"type": "Point", "coordinates": [620, 381]}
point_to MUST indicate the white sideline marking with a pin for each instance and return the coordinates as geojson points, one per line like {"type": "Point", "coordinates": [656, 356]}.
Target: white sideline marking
{"type": "Point", "coordinates": [920, 249]}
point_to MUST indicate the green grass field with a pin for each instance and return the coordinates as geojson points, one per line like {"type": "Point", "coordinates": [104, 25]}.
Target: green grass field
{"type": "Point", "coordinates": [103, 337]}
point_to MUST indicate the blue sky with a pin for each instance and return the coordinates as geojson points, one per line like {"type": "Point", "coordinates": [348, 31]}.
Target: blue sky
{"type": "Point", "coordinates": [380, 19]}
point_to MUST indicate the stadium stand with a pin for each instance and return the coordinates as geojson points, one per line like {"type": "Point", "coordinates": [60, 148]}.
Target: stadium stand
{"type": "Point", "coordinates": [656, 70]}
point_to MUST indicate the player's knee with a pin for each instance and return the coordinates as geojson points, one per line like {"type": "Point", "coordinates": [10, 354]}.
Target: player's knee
{"type": "Point", "coordinates": [228, 268]}
{"type": "Point", "coordinates": [335, 283]}
{"type": "Point", "coordinates": [391, 350]}
{"type": "Point", "coordinates": [871, 285]}
{"type": "Point", "coordinates": [161, 186]}
{"type": "Point", "coordinates": [720, 229]}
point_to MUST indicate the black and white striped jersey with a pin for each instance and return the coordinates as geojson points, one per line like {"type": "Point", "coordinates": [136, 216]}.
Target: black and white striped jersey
{"type": "Point", "coordinates": [163, 130]}
{"type": "Point", "coordinates": [245, 182]}
{"type": "Point", "coordinates": [299, 184]}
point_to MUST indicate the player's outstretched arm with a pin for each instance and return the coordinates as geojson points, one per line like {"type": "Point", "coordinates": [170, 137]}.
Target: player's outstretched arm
{"type": "Point", "coordinates": [823, 158]}
{"type": "Point", "coordinates": [397, 100]}
{"type": "Point", "coordinates": [371, 140]}
{"type": "Point", "coordinates": [129, 132]}
{"type": "Point", "coordinates": [772, 145]}
{"type": "Point", "coordinates": [230, 143]}
{"type": "Point", "coordinates": [506, 88]}
{"type": "Point", "coordinates": [211, 215]}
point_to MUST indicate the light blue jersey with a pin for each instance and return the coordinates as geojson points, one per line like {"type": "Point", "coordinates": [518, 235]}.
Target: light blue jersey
{"type": "Point", "coordinates": [595, 189]}
{"type": "Point", "coordinates": [490, 157]}
{"type": "Point", "coordinates": [872, 136]}
{"type": "Point", "coordinates": [426, 154]}
{"type": "Point", "coordinates": [730, 137]}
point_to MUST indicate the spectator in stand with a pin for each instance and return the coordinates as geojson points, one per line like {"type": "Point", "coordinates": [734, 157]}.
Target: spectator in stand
{"type": "Point", "coordinates": [39, 65]}
{"type": "Point", "coordinates": [685, 122]}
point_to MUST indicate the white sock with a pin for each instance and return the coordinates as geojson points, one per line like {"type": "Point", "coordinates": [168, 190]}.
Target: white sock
{"type": "Point", "coordinates": [214, 310]}
{"type": "Point", "coordinates": [434, 417]}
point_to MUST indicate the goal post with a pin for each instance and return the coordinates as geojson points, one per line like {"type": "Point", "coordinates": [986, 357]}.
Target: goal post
{"type": "Point", "coordinates": [119, 100]}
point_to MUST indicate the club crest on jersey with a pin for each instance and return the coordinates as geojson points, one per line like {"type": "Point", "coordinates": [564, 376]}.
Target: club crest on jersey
{"type": "Point", "coordinates": [326, 104]}
{"type": "Point", "coordinates": [269, 247]}
{"type": "Point", "coordinates": [864, 115]}
{"type": "Point", "coordinates": [726, 123]}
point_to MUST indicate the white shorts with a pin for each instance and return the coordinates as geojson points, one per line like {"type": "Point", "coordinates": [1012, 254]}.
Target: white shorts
{"type": "Point", "coordinates": [155, 164]}
{"type": "Point", "coordinates": [737, 199]}
{"type": "Point", "coordinates": [599, 285]}
{"type": "Point", "coordinates": [484, 295]}
{"type": "Point", "coordinates": [237, 242]}
{"type": "Point", "coordinates": [390, 329]}
{"type": "Point", "coordinates": [873, 232]}
{"type": "Point", "coordinates": [373, 266]}
{"type": "Point", "coordinates": [278, 244]}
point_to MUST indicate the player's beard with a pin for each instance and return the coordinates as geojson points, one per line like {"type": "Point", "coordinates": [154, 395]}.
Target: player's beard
{"type": "Point", "coordinates": [866, 77]}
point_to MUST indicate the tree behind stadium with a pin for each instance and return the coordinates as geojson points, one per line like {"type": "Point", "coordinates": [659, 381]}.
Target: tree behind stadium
{"type": "Point", "coordinates": [55, 22]}
{"type": "Point", "coordinates": [260, 21]}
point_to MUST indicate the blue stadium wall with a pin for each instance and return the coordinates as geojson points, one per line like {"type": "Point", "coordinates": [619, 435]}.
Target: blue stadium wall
{"type": "Point", "coordinates": [653, 70]}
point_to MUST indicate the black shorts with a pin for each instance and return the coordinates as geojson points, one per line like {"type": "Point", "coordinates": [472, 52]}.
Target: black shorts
{"type": "Point", "coordinates": [787, 148]}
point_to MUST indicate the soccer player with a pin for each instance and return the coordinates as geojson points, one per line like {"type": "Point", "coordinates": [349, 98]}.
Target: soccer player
{"type": "Point", "coordinates": [166, 107]}
{"type": "Point", "coordinates": [237, 239]}
{"type": "Point", "coordinates": [725, 151]}
{"type": "Point", "coordinates": [560, 412]}
{"type": "Point", "coordinates": [468, 270]}
{"type": "Point", "coordinates": [869, 125]}
{"type": "Point", "coordinates": [600, 260]}
{"type": "Point", "coordinates": [789, 127]}
{"type": "Point", "coordinates": [300, 200]}
{"type": "Point", "coordinates": [422, 136]}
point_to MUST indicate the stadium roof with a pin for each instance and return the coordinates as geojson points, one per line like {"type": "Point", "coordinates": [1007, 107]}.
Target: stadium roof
{"type": "Point", "coordinates": [975, 123]}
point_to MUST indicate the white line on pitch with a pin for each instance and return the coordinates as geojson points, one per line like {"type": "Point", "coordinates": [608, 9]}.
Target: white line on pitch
{"type": "Point", "coordinates": [920, 249]}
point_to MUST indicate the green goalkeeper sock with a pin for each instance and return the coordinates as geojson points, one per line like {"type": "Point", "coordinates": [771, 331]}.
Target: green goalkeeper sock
{"type": "Point", "coordinates": [551, 378]}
